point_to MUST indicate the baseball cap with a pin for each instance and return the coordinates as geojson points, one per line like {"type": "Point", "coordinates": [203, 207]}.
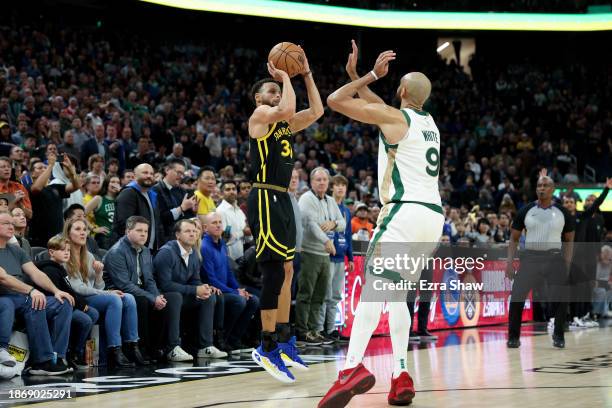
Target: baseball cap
{"type": "Point", "coordinates": [362, 207]}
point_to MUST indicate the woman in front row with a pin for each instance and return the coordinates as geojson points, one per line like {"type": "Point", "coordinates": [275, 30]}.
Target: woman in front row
{"type": "Point", "coordinates": [118, 308]}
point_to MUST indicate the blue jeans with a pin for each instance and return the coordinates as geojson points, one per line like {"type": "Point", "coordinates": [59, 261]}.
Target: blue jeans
{"type": "Point", "coordinates": [82, 322]}
{"type": "Point", "coordinates": [48, 330]}
{"type": "Point", "coordinates": [120, 317]}
{"type": "Point", "coordinates": [238, 314]}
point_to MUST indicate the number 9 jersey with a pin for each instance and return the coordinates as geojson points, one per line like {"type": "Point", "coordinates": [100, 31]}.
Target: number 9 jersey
{"type": "Point", "coordinates": [272, 156]}
{"type": "Point", "coordinates": [408, 170]}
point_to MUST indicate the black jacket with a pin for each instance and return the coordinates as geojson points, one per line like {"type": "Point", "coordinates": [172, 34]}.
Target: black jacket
{"type": "Point", "coordinates": [89, 148]}
{"type": "Point", "coordinates": [131, 202]}
{"type": "Point", "coordinates": [58, 275]}
{"type": "Point", "coordinates": [590, 227]}
{"type": "Point", "coordinates": [166, 201]}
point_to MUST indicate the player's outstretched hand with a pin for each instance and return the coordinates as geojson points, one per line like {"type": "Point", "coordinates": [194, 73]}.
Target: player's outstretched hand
{"type": "Point", "coordinates": [277, 74]}
{"type": "Point", "coordinates": [381, 67]}
{"type": "Point", "coordinates": [351, 64]}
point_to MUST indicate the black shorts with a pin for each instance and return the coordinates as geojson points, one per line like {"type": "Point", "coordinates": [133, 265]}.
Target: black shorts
{"type": "Point", "coordinates": [272, 222]}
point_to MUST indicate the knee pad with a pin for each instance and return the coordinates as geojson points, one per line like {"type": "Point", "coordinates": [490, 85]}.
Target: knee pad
{"type": "Point", "coordinates": [273, 277]}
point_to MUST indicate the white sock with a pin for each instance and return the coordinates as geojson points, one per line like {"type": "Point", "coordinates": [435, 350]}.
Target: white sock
{"type": "Point", "coordinates": [399, 327]}
{"type": "Point", "coordinates": [367, 316]}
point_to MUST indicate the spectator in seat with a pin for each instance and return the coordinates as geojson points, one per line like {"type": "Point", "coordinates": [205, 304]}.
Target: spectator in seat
{"type": "Point", "coordinates": [83, 316]}
{"type": "Point", "coordinates": [602, 293]}
{"type": "Point", "coordinates": [129, 265]}
{"type": "Point", "coordinates": [240, 305]}
{"type": "Point", "coordinates": [118, 308]}
{"type": "Point", "coordinates": [18, 295]}
{"type": "Point", "coordinates": [177, 269]}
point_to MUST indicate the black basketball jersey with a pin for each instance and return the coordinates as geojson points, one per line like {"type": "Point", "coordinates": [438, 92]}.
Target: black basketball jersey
{"type": "Point", "coordinates": [272, 156]}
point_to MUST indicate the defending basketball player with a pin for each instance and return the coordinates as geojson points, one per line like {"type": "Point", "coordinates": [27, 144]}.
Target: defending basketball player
{"type": "Point", "coordinates": [408, 166]}
{"type": "Point", "coordinates": [270, 211]}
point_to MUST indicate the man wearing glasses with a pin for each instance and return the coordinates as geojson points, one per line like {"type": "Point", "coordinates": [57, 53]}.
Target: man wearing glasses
{"type": "Point", "coordinates": [173, 201]}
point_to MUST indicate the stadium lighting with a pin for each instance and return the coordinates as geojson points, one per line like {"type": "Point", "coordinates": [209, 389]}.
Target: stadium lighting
{"type": "Point", "coordinates": [443, 47]}
{"type": "Point", "coordinates": [399, 19]}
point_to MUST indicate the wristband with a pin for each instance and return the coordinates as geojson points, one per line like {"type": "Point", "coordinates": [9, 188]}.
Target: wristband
{"type": "Point", "coordinates": [31, 290]}
{"type": "Point", "coordinates": [374, 75]}
{"type": "Point", "coordinates": [306, 73]}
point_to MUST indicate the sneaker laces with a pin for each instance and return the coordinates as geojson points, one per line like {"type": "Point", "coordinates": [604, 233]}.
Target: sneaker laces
{"type": "Point", "coordinates": [291, 350]}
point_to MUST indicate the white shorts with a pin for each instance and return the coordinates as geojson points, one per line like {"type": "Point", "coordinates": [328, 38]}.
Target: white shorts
{"type": "Point", "coordinates": [407, 234]}
{"type": "Point", "coordinates": [408, 222]}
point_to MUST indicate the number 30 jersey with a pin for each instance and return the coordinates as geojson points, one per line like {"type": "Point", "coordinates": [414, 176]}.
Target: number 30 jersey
{"type": "Point", "coordinates": [408, 171]}
{"type": "Point", "coordinates": [272, 156]}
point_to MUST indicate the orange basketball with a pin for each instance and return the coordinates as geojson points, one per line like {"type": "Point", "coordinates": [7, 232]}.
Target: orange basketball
{"type": "Point", "coordinates": [287, 57]}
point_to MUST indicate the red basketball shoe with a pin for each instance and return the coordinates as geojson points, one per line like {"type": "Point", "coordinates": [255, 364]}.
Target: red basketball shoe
{"type": "Point", "coordinates": [402, 390]}
{"type": "Point", "coordinates": [350, 382]}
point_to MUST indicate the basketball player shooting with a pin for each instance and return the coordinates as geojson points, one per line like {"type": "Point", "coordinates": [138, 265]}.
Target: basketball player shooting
{"type": "Point", "coordinates": [270, 211]}
{"type": "Point", "coordinates": [408, 167]}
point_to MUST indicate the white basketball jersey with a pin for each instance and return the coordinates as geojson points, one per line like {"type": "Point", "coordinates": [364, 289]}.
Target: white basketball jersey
{"type": "Point", "coordinates": [408, 170]}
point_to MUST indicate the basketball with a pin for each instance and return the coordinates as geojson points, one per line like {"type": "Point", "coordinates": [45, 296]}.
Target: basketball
{"type": "Point", "coordinates": [287, 57]}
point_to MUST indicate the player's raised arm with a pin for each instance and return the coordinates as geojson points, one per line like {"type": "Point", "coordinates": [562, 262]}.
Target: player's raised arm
{"type": "Point", "coordinates": [343, 100]}
{"type": "Point", "coordinates": [306, 117]}
{"type": "Point", "coordinates": [266, 112]}
{"type": "Point", "coordinates": [351, 69]}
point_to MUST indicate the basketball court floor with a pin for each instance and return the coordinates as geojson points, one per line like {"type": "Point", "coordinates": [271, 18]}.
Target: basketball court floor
{"type": "Point", "coordinates": [464, 368]}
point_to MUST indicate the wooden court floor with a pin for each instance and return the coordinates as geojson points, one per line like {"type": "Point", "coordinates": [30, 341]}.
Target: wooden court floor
{"type": "Point", "coordinates": [473, 368]}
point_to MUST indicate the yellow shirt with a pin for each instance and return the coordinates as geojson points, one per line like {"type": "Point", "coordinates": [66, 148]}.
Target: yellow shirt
{"type": "Point", "coordinates": [91, 217]}
{"type": "Point", "coordinates": [207, 205]}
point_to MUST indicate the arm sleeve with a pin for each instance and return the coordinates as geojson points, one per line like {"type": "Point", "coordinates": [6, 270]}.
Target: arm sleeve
{"type": "Point", "coordinates": [210, 269]}
{"type": "Point", "coordinates": [26, 198]}
{"type": "Point", "coordinates": [519, 222]}
{"type": "Point", "coordinates": [82, 288]}
{"type": "Point", "coordinates": [588, 213]}
{"type": "Point", "coordinates": [337, 216]}
{"type": "Point", "coordinates": [125, 207]}
{"type": "Point", "coordinates": [308, 220]}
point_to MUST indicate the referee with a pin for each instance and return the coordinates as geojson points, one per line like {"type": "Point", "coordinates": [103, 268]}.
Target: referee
{"type": "Point", "coordinates": [549, 236]}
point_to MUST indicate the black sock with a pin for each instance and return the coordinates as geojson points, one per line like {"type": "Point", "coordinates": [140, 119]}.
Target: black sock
{"type": "Point", "coordinates": [268, 341]}
{"type": "Point", "coordinates": [284, 332]}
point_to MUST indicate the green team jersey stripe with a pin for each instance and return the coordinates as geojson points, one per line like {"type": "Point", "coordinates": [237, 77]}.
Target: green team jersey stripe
{"type": "Point", "coordinates": [406, 116]}
{"type": "Point", "coordinates": [433, 207]}
{"type": "Point", "coordinates": [394, 276]}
